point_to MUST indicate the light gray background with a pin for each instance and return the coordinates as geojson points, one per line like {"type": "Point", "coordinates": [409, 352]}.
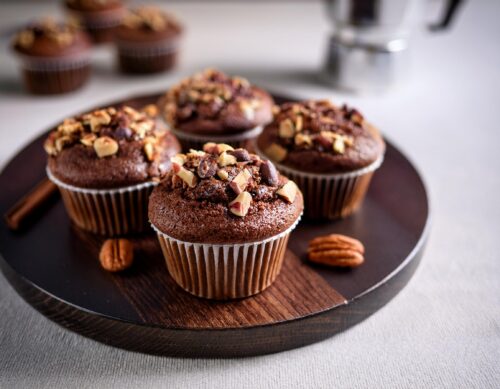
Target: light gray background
{"type": "Point", "coordinates": [443, 330]}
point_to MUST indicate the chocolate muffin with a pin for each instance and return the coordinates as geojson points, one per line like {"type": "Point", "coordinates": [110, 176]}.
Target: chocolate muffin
{"type": "Point", "coordinates": [147, 41]}
{"type": "Point", "coordinates": [54, 57]}
{"type": "Point", "coordinates": [230, 213]}
{"type": "Point", "coordinates": [331, 152]}
{"type": "Point", "coordinates": [105, 164]}
{"type": "Point", "coordinates": [98, 17]}
{"type": "Point", "coordinates": [211, 106]}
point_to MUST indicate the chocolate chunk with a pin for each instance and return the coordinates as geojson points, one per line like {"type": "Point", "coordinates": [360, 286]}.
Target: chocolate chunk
{"type": "Point", "coordinates": [269, 173]}
{"type": "Point", "coordinates": [207, 167]}
{"type": "Point", "coordinates": [120, 120]}
{"type": "Point", "coordinates": [38, 31]}
{"type": "Point", "coordinates": [123, 133]}
{"type": "Point", "coordinates": [241, 155]}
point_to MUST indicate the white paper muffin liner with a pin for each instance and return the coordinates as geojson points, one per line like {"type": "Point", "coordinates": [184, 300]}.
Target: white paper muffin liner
{"type": "Point", "coordinates": [143, 50]}
{"type": "Point", "coordinates": [225, 271]}
{"type": "Point", "coordinates": [43, 64]}
{"type": "Point", "coordinates": [330, 196]}
{"type": "Point", "coordinates": [109, 212]}
{"type": "Point", "coordinates": [195, 141]}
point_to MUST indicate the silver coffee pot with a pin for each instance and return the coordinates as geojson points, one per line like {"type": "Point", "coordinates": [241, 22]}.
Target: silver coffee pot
{"type": "Point", "coordinates": [368, 48]}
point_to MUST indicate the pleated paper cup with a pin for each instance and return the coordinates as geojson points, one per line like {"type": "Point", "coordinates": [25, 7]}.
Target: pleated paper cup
{"type": "Point", "coordinates": [55, 75]}
{"type": "Point", "coordinates": [196, 142]}
{"type": "Point", "coordinates": [101, 26]}
{"type": "Point", "coordinates": [331, 196]}
{"type": "Point", "coordinates": [224, 271]}
{"type": "Point", "coordinates": [109, 212]}
{"type": "Point", "coordinates": [147, 57]}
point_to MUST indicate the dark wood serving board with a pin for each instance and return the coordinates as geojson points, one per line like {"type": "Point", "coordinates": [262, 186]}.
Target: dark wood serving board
{"type": "Point", "coordinates": [54, 266]}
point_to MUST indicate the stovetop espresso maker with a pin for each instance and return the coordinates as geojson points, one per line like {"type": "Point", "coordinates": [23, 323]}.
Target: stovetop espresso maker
{"type": "Point", "coordinates": [368, 49]}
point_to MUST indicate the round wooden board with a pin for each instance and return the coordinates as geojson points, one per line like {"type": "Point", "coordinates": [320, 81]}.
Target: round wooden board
{"type": "Point", "coordinates": [54, 267]}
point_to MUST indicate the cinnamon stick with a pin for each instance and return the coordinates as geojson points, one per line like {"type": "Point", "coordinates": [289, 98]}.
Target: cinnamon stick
{"type": "Point", "coordinates": [29, 203]}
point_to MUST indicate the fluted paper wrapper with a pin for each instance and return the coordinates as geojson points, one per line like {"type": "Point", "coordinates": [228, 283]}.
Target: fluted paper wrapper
{"type": "Point", "coordinates": [55, 75]}
{"type": "Point", "coordinates": [101, 25]}
{"type": "Point", "coordinates": [196, 142]}
{"type": "Point", "coordinates": [144, 49]}
{"type": "Point", "coordinates": [227, 271]}
{"type": "Point", "coordinates": [147, 58]}
{"type": "Point", "coordinates": [331, 196]}
{"type": "Point", "coordinates": [109, 212]}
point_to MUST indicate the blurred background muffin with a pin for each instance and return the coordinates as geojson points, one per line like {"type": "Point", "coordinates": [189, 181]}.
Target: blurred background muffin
{"type": "Point", "coordinates": [98, 17]}
{"type": "Point", "coordinates": [54, 56]}
{"type": "Point", "coordinates": [147, 40]}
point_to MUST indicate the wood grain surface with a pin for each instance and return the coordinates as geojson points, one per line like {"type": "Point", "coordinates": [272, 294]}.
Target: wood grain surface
{"type": "Point", "coordinates": [55, 267]}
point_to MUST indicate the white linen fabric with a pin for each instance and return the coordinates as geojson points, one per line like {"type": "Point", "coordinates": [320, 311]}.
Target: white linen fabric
{"type": "Point", "coordinates": [442, 330]}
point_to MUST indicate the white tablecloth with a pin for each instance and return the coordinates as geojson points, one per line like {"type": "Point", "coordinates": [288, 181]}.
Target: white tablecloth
{"type": "Point", "coordinates": [443, 330]}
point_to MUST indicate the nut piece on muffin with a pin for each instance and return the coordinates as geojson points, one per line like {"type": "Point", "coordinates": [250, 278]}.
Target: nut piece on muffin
{"type": "Point", "coordinates": [226, 208]}
{"type": "Point", "coordinates": [98, 17]}
{"type": "Point", "coordinates": [330, 151]}
{"type": "Point", "coordinates": [212, 106]}
{"type": "Point", "coordinates": [105, 164]}
{"type": "Point", "coordinates": [147, 40]}
{"type": "Point", "coordinates": [54, 56]}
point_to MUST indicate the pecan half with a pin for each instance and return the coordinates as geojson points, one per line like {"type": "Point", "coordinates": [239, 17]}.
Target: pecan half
{"type": "Point", "coordinates": [336, 250]}
{"type": "Point", "coordinates": [116, 254]}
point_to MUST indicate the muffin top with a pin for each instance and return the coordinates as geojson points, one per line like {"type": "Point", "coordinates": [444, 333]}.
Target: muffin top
{"type": "Point", "coordinates": [213, 103]}
{"type": "Point", "coordinates": [48, 38]}
{"type": "Point", "coordinates": [110, 148]}
{"type": "Point", "coordinates": [145, 24]}
{"type": "Point", "coordinates": [93, 5]}
{"type": "Point", "coordinates": [222, 195]}
{"type": "Point", "coordinates": [319, 137]}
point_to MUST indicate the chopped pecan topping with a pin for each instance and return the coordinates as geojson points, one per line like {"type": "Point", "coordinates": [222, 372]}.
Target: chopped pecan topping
{"type": "Point", "coordinates": [187, 176]}
{"type": "Point", "coordinates": [60, 33]}
{"type": "Point", "coordinates": [206, 94]}
{"type": "Point", "coordinates": [105, 146]}
{"type": "Point", "coordinates": [236, 178]}
{"type": "Point", "coordinates": [240, 182]}
{"type": "Point", "coordinates": [276, 152]}
{"type": "Point", "coordinates": [241, 204]}
{"type": "Point", "coordinates": [149, 18]}
{"type": "Point", "coordinates": [226, 159]}
{"type": "Point", "coordinates": [104, 130]}
{"type": "Point", "coordinates": [88, 139]}
{"type": "Point", "coordinates": [314, 125]}
{"type": "Point", "coordinates": [288, 191]}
